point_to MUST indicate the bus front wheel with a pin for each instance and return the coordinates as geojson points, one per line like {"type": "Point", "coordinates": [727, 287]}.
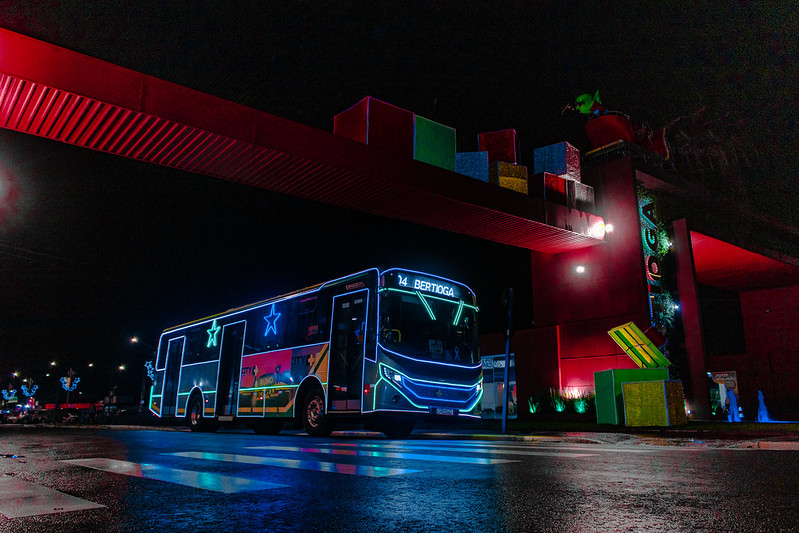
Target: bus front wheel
{"type": "Point", "coordinates": [315, 420]}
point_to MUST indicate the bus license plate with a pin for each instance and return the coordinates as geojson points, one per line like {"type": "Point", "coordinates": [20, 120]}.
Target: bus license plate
{"type": "Point", "coordinates": [445, 412]}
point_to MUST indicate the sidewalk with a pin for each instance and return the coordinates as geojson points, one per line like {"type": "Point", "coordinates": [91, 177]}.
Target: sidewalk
{"type": "Point", "coordinates": [773, 436]}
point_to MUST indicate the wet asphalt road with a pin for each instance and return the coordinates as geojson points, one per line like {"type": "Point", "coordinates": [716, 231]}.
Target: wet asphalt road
{"type": "Point", "coordinates": [153, 480]}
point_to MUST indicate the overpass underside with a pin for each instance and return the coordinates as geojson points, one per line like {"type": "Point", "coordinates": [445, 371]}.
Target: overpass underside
{"type": "Point", "coordinates": [55, 93]}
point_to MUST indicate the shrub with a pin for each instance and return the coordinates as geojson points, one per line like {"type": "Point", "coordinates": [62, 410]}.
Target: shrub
{"type": "Point", "coordinates": [555, 403]}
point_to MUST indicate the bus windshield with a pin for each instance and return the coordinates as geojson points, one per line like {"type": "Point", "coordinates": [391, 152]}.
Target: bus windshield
{"type": "Point", "coordinates": [426, 326]}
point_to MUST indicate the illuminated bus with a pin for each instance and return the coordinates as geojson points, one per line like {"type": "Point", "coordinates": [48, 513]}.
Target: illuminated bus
{"type": "Point", "coordinates": [385, 348]}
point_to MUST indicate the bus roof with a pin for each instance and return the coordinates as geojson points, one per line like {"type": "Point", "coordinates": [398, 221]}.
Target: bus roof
{"type": "Point", "coordinates": [300, 292]}
{"type": "Point", "coordinates": [253, 305]}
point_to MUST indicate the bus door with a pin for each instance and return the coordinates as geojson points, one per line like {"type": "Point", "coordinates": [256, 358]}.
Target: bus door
{"type": "Point", "coordinates": [347, 346]}
{"type": "Point", "coordinates": [171, 375]}
{"type": "Point", "coordinates": [229, 368]}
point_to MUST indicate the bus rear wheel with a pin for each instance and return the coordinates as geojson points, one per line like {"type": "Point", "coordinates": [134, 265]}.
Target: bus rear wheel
{"type": "Point", "coordinates": [195, 418]}
{"type": "Point", "coordinates": [315, 420]}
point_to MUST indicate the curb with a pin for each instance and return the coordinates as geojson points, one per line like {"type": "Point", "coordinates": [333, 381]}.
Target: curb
{"type": "Point", "coordinates": [778, 445]}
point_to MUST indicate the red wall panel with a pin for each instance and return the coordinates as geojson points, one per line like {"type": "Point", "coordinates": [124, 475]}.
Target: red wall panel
{"type": "Point", "coordinates": [536, 353]}
{"type": "Point", "coordinates": [579, 373]}
{"type": "Point", "coordinates": [609, 292]}
{"type": "Point", "coordinates": [771, 328]}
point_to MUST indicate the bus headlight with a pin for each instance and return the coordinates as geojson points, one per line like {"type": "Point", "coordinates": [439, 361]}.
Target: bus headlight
{"type": "Point", "coordinates": [391, 374]}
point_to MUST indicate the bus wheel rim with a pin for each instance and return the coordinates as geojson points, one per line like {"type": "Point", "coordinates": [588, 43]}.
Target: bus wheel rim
{"type": "Point", "coordinates": [315, 411]}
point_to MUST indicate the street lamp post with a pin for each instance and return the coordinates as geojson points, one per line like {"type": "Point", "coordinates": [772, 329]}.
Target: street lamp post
{"type": "Point", "coordinates": [144, 373]}
{"type": "Point", "coordinates": [70, 383]}
{"type": "Point", "coordinates": [507, 300]}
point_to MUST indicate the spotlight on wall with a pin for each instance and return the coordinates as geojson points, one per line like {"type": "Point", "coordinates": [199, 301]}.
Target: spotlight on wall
{"type": "Point", "coordinates": [608, 228]}
{"type": "Point", "coordinates": [580, 269]}
{"type": "Point", "coordinates": [598, 230]}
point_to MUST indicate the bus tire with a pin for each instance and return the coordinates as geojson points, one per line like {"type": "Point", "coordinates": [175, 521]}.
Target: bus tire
{"type": "Point", "coordinates": [268, 426]}
{"type": "Point", "coordinates": [398, 428]}
{"type": "Point", "coordinates": [195, 417]}
{"type": "Point", "coordinates": [313, 415]}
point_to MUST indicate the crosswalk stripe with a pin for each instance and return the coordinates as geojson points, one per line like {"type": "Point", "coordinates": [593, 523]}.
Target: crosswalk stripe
{"type": "Point", "coordinates": [550, 446]}
{"type": "Point", "coordinates": [499, 451]}
{"type": "Point", "coordinates": [302, 464]}
{"type": "Point", "coordinates": [591, 448]}
{"type": "Point", "coordinates": [200, 480]}
{"type": "Point", "coordinates": [387, 455]}
{"type": "Point", "coordinates": [485, 448]}
{"type": "Point", "coordinates": [20, 498]}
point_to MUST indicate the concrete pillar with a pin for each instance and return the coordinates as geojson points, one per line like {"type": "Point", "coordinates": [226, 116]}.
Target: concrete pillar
{"type": "Point", "coordinates": [697, 392]}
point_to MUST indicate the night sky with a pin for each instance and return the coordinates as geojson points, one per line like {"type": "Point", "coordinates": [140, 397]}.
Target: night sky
{"type": "Point", "coordinates": [96, 248]}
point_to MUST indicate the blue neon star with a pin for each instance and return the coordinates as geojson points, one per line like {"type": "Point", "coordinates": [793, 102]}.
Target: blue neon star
{"type": "Point", "coordinates": [271, 321]}
{"type": "Point", "coordinates": [213, 334]}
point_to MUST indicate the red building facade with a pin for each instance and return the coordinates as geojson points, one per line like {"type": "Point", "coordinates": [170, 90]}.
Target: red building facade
{"type": "Point", "coordinates": [724, 307]}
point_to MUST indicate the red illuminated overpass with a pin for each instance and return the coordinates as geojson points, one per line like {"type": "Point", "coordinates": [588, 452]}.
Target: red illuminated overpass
{"type": "Point", "coordinates": [55, 93]}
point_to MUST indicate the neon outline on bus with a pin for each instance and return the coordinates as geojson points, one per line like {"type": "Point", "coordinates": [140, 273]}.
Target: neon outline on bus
{"type": "Point", "coordinates": [373, 354]}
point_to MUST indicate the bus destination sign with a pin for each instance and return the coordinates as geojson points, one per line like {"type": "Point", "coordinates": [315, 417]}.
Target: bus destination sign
{"type": "Point", "coordinates": [413, 281]}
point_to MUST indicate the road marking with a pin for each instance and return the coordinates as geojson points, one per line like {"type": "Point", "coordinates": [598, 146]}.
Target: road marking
{"type": "Point", "coordinates": [20, 498]}
{"type": "Point", "coordinates": [200, 480]}
{"type": "Point", "coordinates": [589, 449]}
{"type": "Point", "coordinates": [386, 455]}
{"type": "Point", "coordinates": [319, 466]}
{"type": "Point", "coordinates": [484, 450]}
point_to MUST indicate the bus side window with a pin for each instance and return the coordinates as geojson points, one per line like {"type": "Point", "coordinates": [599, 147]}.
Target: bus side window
{"type": "Point", "coordinates": [254, 338]}
{"type": "Point", "coordinates": [198, 349]}
{"type": "Point", "coordinates": [160, 361]}
{"type": "Point", "coordinates": [302, 327]}
{"type": "Point", "coordinates": [191, 353]}
{"type": "Point", "coordinates": [175, 351]}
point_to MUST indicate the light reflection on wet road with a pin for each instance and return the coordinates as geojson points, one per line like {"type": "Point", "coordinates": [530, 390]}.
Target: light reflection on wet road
{"type": "Point", "coordinates": [143, 480]}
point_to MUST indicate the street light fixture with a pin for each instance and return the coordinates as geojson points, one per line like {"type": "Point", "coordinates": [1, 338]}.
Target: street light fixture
{"type": "Point", "coordinates": [137, 340]}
